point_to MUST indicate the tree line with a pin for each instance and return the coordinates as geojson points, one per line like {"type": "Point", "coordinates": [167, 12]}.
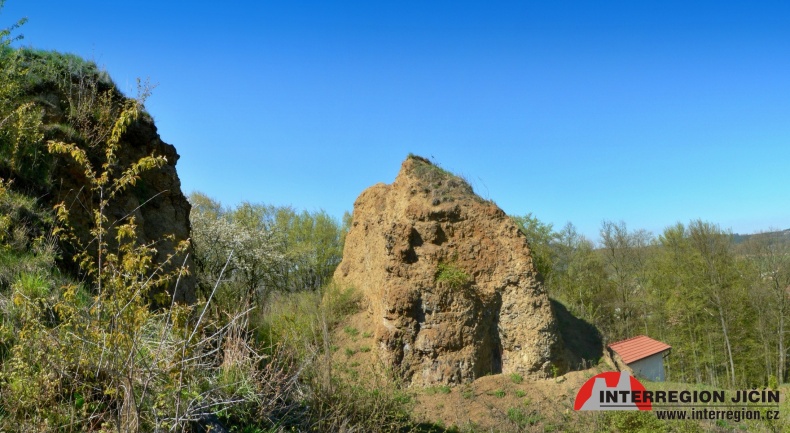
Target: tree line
{"type": "Point", "coordinates": [253, 250]}
{"type": "Point", "coordinates": [721, 301]}
{"type": "Point", "coordinates": [721, 305]}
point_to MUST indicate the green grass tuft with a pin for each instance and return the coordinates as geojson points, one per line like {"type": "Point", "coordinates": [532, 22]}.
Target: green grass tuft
{"type": "Point", "coordinates": [522, 418]}
{"type": "Point", "coordinates": [452, 275]}
{"type": "Point", "coordinates": [516, 378]}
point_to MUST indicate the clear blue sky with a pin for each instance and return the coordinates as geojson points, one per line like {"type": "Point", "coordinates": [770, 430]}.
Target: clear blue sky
{"type": "Point", "coordinates": [650, 112]}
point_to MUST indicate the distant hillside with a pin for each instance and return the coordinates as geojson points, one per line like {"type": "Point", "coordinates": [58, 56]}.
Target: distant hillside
{"type": "Point", "coordinates": [782, 234]}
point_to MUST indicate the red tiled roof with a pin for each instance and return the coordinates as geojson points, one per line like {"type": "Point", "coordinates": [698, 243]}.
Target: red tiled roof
{"type": "Point", "coordinates": [637, 348]}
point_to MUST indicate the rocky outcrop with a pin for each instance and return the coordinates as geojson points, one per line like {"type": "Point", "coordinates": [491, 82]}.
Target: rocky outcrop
{"type": "Point", "coordinates": [449, 281]}
{"type": "Point", "coordinates": [156, 202]}
{"type": "Point", "coordinates": [79, 104]}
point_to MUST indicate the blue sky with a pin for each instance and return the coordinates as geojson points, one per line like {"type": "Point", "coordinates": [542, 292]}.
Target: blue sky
{"type": "Point", "coordinates": [648, 112]}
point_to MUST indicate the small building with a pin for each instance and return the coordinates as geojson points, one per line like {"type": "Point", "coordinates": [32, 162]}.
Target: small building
{"type": "Point", "coordinates": [642, 355]}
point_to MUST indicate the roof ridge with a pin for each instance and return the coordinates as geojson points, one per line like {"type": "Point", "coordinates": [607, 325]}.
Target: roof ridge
{"type": "Point", "coordinates": [629, 339]}
{"type": "Point", "coordinates": [638, 347]}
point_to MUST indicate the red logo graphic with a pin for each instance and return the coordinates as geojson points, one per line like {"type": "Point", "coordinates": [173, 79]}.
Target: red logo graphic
{"type": "Point", "coordinates": [613, 390]}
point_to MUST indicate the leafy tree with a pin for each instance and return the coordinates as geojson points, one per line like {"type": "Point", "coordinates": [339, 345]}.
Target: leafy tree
{"type": "Point", "coordinates": [274, 248]}
{"type": "Point", "coordinates": [312, 243]}
{"type": "Point", "coordinates": [237, 247]}
{"type": "Point", "coordinates": [625, 256]}
{"type": "Point", "coordinates": [686, 328]}
{"type": "Point", "coordinates": [718, 278]}
{"type": "Point", "coordinates": [706, 305]}
{"type": "Point", "coordinates": [540, 237]}
{"type": "Point", "coordinates": [579, 277]}
{"type": "Point", "coordinates": [768, 258]}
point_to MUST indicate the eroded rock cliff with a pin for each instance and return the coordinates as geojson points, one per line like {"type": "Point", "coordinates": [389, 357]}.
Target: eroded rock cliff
{"type": "Point", "coordinates": [70, 100]}
{"type": "Point", "coordinates": [449, 281]}
{"type": "Point", "coordinates": [156, 202]}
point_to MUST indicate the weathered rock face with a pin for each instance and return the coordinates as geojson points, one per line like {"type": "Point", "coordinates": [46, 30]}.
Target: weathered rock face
{"type": "Point", "coordinates": [79, 104]}
{"type": "Point", "coordinates": [156, 202]}
{"type": "Point", "coordinates": [449, 280]}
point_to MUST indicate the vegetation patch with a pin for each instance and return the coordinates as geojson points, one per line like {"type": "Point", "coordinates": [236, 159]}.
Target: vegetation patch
{"type": "Point", "coordinates": [499, 393]}
{"type": "Point", "coordinates": [452, 275]}
{"type": "Point", "coordinates": [523, 418]}
{"type": "Point", "coordinates": [353, 332]}
{"type": "Point", "coordinates": [440, 389]}
{"type": "Point", "coordinates": [468, 393]}
{"type": "Point", "coordinates": [442, 185]}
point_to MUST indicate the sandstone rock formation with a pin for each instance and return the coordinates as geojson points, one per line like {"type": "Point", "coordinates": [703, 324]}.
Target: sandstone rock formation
{"type": "Point", "coordinates": [449, 280]}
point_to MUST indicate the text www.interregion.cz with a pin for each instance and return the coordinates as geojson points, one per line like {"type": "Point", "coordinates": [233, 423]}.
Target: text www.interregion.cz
{"type": "Point", "coordinates": [735, 415]}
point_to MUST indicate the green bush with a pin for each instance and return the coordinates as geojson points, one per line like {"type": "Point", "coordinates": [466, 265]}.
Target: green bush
{"type": "Point", "coordinates": [634, 421]}
{"type": "Point", "coordinates": [32, 286]}
{"type": "Point", "coordinates": [21, 144]}
{"type": "Point", "coordinates": [102, 358]}
{"type": "Point", "coordinates": [356, 404]}
{"type": "Point", "coordinates": [46, 95]}
{"type": "Point", "coordinates": [26, 244]}
{"type": "Point", "coordinates": [290, 319]}
{"type": "Point", "coordinates": [340, 302]}
{"type": "Point", "coordinates": [68, 359]}
{"type": "Point", "coordinates": [452, 275]}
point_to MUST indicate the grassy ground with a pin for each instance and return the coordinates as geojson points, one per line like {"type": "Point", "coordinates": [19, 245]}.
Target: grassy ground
{"type": "Point", "coordinates": [510, 403]}
{"type": "Point", "coordinates": [503, 403]}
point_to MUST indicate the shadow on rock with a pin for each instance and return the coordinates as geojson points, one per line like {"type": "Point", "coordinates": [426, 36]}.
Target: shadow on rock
{"type": "Point", "coordinates": [583, 342]}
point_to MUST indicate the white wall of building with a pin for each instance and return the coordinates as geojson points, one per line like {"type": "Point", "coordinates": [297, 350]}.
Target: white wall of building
{"type": "Point", "coordinates": [650, 368]}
